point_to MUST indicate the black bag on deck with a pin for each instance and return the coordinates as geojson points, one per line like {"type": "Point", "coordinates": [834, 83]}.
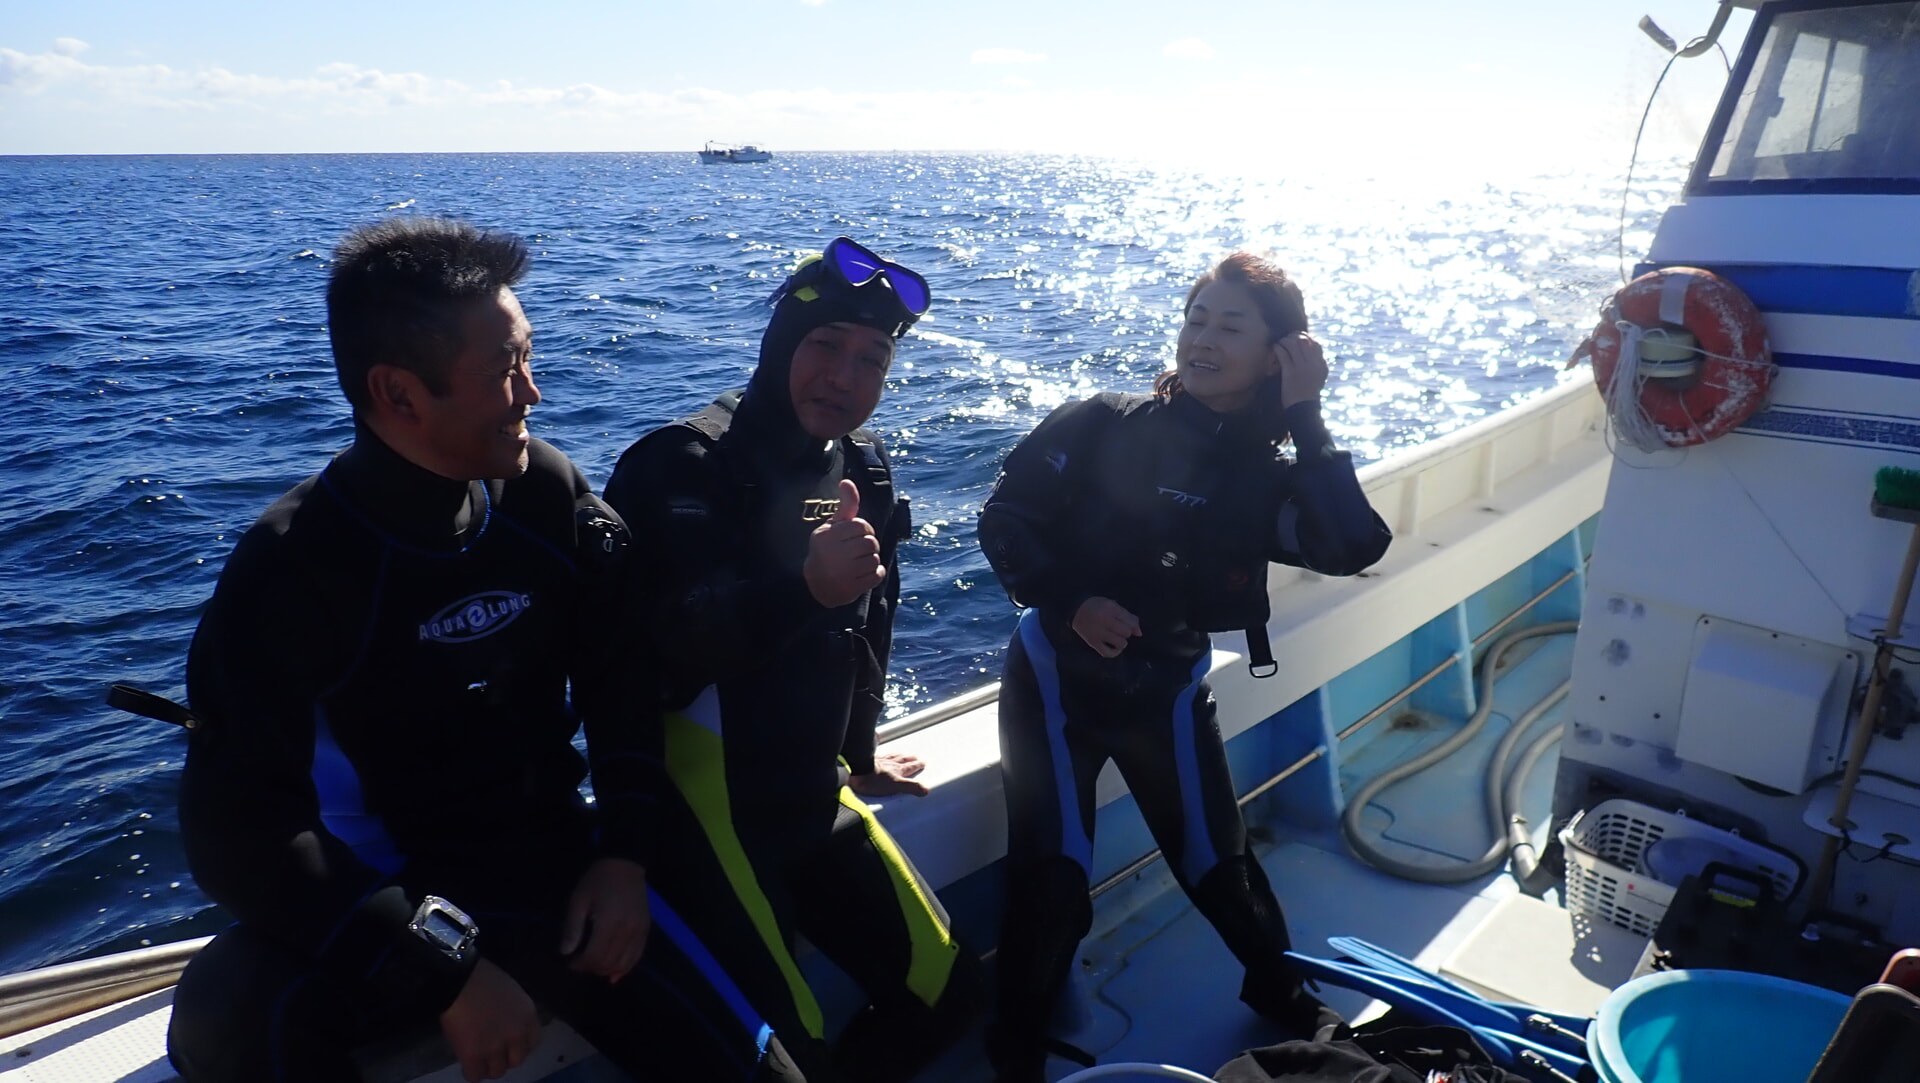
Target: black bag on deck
{"type": "Point", "coordinates": [1393, 1054]}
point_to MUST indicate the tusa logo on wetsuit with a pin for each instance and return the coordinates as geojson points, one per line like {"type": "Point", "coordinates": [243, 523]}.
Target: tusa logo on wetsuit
{"type": "Point", "coordinates": [475, 616]}
{"type": "Point", "coordinates": [1188, 500]}
{"type": "Point", "coordinates": [818, 511]}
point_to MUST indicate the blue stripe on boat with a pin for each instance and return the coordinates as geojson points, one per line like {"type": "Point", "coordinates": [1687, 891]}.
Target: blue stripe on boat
{"type": "Point", "coordinates": [1879, 292]}
{"type": "Point", "coordinates": [1902, 369]}
{"type": "Point", "coordinates": [1862, 430]}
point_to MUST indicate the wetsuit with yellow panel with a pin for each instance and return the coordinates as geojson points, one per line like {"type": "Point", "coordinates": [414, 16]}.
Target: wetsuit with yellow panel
{"type": "Point", "coordinates": [767, 703]}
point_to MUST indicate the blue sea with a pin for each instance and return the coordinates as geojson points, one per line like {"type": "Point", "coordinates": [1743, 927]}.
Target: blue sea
{"type": "Point", "coordinates": [162, 329]}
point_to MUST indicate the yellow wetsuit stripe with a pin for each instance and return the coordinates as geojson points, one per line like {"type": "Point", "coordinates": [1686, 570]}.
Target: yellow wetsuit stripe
{"type": "Point", "coordinates": [933, 946]}
{"type": "Point", "coordinates": [695, 762]}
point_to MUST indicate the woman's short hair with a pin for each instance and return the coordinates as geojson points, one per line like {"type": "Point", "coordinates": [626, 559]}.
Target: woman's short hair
{"type": "Point", "coordinates": [1282, 308]}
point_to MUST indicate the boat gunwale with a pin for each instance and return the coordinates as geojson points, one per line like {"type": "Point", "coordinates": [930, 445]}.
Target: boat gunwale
{"type": "Point", "coordinates": [1375, 477]}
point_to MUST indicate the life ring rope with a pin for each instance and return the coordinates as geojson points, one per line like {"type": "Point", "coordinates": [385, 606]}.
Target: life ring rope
{"type": "Point", "coordinates": [1627, 420]}
{"type": "Point", "coordinates": [1654, 414]}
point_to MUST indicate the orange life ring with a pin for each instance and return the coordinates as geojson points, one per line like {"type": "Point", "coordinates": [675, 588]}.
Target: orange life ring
{"type": "Point", "coordinates": [1736, 367]}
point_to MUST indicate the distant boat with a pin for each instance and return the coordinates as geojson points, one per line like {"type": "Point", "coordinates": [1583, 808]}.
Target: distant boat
{"type": "Point", "coordinates": [718, 153]}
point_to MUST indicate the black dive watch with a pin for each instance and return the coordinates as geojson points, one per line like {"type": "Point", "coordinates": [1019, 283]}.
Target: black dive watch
{"type": "Point", "coordinates": [445, 928]}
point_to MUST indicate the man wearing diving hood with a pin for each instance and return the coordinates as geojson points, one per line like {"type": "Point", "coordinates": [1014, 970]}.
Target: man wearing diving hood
{"type": "Point", "coordinates": [765, 529]}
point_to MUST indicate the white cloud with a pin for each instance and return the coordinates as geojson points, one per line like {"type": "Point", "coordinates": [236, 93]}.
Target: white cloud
{"type": "Point", "coordinates": [338, 86]}
{"type": "Point", "coordinates": [1474, 69]}
{"type": "Point", "coordinates": [53, 103]}
{"type": "Point", "coordinates": [69, 46]}
{"type": "Point", "coordinates": [34, 72]}
{"type": "Point", "coordinates": [701, 96]}
{"type": "Point", "coordinates": [1188, 49]}
{"type": "Point", "coordinates": [1006, 56]}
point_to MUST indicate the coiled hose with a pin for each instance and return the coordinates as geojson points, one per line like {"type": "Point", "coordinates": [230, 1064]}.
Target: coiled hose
{"type": "Point", "coordinates": [1502, 794]}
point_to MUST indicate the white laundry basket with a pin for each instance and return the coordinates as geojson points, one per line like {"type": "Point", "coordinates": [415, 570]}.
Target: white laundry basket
{"type": "Point", "coordinates": [1607, 877]}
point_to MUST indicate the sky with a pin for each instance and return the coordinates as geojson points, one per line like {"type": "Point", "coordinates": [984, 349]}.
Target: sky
{"type": "Point", "coordinates": [1412, 83]}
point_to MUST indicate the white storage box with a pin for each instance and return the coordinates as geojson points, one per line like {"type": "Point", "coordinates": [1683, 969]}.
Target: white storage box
{"type": "Point", "coordinates": [1607, 877]}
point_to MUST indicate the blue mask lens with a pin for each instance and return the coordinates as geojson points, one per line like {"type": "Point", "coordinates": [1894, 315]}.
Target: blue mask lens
{"type": "Point", "coordinates": [911, 289]}
{"type": "Point", "coordinates": [859, 267]}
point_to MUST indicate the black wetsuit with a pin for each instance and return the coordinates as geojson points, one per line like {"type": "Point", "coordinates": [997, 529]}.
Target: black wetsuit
{"type": "Point", "coordinates": [767, 702]}
{"type": "Point", "coordinates": [383, 672]}
{"type": "Point", "coordinates": [1172, 511]}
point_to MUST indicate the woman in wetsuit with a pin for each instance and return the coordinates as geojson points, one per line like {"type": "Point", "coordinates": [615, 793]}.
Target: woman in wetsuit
{"type": "Point", "coordinates": [1131, 526]}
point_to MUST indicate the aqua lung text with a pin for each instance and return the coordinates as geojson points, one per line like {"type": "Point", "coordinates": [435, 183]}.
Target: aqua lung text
{"type": "Point", "coordinates": [475, 617]}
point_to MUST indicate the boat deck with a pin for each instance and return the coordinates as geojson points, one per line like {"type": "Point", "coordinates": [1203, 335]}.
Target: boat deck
{"type": "Point", "coordinates": [1157, 985]}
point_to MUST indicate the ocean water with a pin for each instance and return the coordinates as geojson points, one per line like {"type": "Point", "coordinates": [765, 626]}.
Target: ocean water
{"type": "Point", "coordinates": [162, 329]}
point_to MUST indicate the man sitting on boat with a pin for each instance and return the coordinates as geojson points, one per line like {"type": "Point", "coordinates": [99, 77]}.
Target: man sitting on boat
{"type": "Point", "coordinates": [765, 530]}
{"type": "Point", "coordinates": [384, 790]}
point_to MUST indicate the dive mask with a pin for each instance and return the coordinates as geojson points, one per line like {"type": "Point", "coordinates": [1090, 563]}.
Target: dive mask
{"type": "Point", "coordinates": [848, 272]}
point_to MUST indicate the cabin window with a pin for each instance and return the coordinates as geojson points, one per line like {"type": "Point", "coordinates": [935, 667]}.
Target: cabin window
{"type": "Point", "coordinates": [1829, 100]}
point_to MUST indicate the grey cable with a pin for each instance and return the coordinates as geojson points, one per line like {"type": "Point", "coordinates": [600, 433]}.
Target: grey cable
{"type": "Point", "coordinates": [1533, 880]}
{"type": "Point", "coordinates": [1498, 818]}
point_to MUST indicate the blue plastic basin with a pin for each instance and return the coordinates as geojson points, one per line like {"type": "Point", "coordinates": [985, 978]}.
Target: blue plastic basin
{"type": "Point", "coordinates": [1712, 1026]}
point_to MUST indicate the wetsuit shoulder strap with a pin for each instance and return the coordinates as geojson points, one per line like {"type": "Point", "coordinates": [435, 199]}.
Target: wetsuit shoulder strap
{"type": "Point", "coordinates": [709, 426]}
{"type": "Point", "coordinates": [1104, 414]}
{"type": "Point", "coordinates": [865, 464]}
{"type": "Point", "coordinates": [712, 422]}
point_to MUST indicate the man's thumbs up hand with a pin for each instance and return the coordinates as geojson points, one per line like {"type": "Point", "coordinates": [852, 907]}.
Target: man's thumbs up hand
{"type": "Point", "coordinates": [843, 556]}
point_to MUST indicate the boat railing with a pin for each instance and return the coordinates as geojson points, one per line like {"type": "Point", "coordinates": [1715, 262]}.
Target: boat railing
{"type": "Point", "coordinates": [47, 995]}
{"type": "Point", "coordinates": [1496, 506]}
{"type": "Point", "coordinates": [1410, 489]}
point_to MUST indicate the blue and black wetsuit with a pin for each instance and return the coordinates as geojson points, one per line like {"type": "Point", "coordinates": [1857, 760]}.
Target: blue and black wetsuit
{"type": "Point", "coordinates": [766, 703]}
{"type": "Point", "coordinates": [384, 676]}
{"type": "Point", "coordinates": [1174, 512]}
